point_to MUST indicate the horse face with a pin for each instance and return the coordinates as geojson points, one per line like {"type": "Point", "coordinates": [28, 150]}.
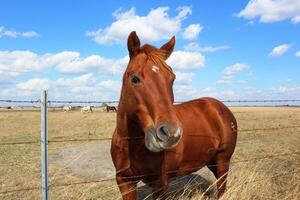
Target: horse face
{"type": "Point", "coordinates": [147, 91]}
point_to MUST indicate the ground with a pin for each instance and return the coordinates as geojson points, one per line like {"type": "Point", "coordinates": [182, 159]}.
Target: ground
{"type": "Point", "coordinates": [264, 165]}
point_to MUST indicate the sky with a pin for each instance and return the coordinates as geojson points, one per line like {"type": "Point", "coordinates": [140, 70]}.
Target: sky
{"type": "Point", "coordinates": [77, 49]}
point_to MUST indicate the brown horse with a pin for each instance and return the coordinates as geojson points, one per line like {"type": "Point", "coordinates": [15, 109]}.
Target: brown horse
{"type": "Point", "coordinates": [155, 140]}
{"type": "Point", "coordinates": [112, 108]}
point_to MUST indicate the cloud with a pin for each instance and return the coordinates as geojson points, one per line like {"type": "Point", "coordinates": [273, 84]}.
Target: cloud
{"type": "Point", "coordinates": [192, 31]}
{"type": "Point", "coordinates": [111, 85]}
{"type": "Point", "coordinates": [22, 61]}
{"type": "Point", "coordinates": [83, 80]}
{"type": "Point", "coordinates": [287, 90]}
{"type": "Point", "coordinates": [14, 34]}
{"type": "Point", "coordinates": [296, 20]}
{"type": "Point", "coordinates": [29, 34]}
{"type": "Point", "coordinates": [297, 54]}
{"type": "Point", "coordinates": [272, 10]}
{"type": "Point", "coordinates": [187, 92]}
{"type": "Point", "coordinates": [279, 50]}
{"type": "Point", "coordinates": [154, 26]}
{"type": "Point", "coordinates": [195, 47]}
{"type": "Point", "coordinates": [85, 87]}
{"type": "Point", "coordinates": [230, 71]}
{"type": "Point", "coordinates": [184, 77]}
{"type": "Point", "coordinates": [183, 92]}
{"type": "Point", "coordinates": [17, 62]}
{"type": "Point", "coordinates": [93, 63]}
{"type": "Point", "coordinates": [186, 60]}
{"type": "Point", "coordinates": [35, 84]}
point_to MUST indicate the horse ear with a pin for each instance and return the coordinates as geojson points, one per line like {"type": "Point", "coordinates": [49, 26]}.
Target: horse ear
{"type": "Point", "coordinates": [133, 44]}
{"type": "Point", "coordinates": [168, 47]}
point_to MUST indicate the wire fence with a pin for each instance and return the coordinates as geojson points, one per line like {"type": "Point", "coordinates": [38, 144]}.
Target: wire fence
{"type": "Point", "coordinates": [61, 140]}
{"type": "Point", "coordinates": [55, 185]}
{"type": "Point", "coordinates": [188, 169]}
{"type": "Point", "coordinates": [176, 102]}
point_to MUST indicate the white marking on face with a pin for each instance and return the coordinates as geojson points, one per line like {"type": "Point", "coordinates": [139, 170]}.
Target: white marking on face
{"type": "Point", "coordinates": [155, 69]}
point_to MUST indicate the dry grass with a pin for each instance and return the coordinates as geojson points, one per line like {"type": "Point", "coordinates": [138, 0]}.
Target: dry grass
{"type": "Point", "coordinates": [271, 178]}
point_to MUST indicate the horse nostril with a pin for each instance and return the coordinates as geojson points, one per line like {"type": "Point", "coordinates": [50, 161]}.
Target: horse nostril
{"type": "Point", "coordinates": [163, 133]}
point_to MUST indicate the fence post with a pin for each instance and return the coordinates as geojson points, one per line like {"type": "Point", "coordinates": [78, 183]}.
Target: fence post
{"type": "Point", "coordinates": [44, 145]}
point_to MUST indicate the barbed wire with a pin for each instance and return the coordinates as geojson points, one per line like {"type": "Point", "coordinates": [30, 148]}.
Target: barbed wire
{"type": "Point", "coordinates": [20, 101]}
{"type": "Point", "coordinates": [173, 171]}
{"type": "Point", "coordinates": [114, 101]}
{"type": "Point", "coordinates": [133, 138]}
{"type": "Point", "coordinates": [20, 190]}
{"type": "Point", "coordinates": [261, 101]}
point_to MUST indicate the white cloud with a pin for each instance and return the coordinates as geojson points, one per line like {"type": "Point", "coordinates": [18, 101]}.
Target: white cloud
{"type": "Point", "coordinates": [230, 71]}
{"type": "Point", "coordinates": [279, 50]}
{"type": "Point", "coordinates": [225, 80]}
{"type": "Point", "coordinates": [66, 62]}
{"type": "Point", "coordinates": [272, 10]}
{"type": "Point", "coordinates": [35, 84]}
{"type": "Point", "coordinates": [296, 20]}
{"type": "Point", "coordinates": [21, 61]}
{"type": "Point", "coordinates": [93, 62]}
{"type": "Point", "coordinates": [84, 87]}
{"type": "Point", "coordinates": [156, 25]}
{"type": "Point", "coordinates": [83, 80]}
{"type": "Point", "coordinates": [187, 92]}
{"type": "Point", "coordinates": [192, 31]}
{"type": "Point", "coordinates": [287, 90]}
{"type": "Point", "coordinates": [111, 85]}
{"type": "Point", "coordinates": [297, 54]}
{"type": "Point", "coordinates": [29, 34]}
{"type": "Point", "coordinates": [184, 77]}
{"type": "Point", "coordinates": [14, 34]}
{"type": "Point", "coordinates": [186, 60]}
{"type": "Point", "coordinates": [183, 92]}
{"type": "Point", "coordinates": [195, 47]}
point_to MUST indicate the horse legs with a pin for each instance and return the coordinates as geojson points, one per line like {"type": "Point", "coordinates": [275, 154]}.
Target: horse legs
{"type": "Point", "coordinates": [127, 188]}
{"type": "Point", "coordinates": [220, 166]}
{"type": "Point", "coordinates": [159, 188]}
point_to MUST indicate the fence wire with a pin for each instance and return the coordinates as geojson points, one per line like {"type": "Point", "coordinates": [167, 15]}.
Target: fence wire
{"type": "Point", "coordinates": [115, 101]}
{"type": "Point", "coordinates": [144, 175]}
{"type": "Point", "coordinates": [135, 138]}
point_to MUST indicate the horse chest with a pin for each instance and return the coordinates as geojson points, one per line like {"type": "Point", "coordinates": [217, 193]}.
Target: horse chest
{"type": "Point", "coordinates": [143, 161]}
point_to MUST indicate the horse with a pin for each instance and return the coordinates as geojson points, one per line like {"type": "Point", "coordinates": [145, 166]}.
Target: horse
{"type": "Point", "coordinates": [155, 140]}
{"type": "Point", "coordinates": [86, 109]}
{"type": "Point", "coordinates": [67, 108]}
{"type": "Point", "coordinates": [112, 108]}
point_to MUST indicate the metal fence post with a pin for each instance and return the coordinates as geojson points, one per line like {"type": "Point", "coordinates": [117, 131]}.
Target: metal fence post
{"type": "Point", "coordinates": [44, 145]}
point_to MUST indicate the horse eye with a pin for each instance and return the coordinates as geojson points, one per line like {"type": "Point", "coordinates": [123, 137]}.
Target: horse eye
{"type": "Point", "coordinates": [135, 80]}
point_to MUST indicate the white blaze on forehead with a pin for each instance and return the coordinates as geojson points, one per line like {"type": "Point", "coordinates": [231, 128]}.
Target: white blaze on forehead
{"type": "Point", "coordinates": [155, 68]}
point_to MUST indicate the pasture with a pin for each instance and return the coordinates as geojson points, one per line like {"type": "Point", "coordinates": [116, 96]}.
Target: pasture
{"type": "Point", "coordinates": [265, 165]}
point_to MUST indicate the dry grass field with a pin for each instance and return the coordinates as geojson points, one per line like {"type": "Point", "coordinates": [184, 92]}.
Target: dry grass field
{"type": "Point", "coordinates": [265, 165]}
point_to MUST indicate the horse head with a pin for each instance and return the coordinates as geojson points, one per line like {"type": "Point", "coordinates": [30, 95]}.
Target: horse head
{"type": "Point", "coordinates": [147, 94]}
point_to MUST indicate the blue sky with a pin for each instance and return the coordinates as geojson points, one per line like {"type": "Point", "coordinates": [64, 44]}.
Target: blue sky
{"type": "Point", "coordinates": [224, 49]}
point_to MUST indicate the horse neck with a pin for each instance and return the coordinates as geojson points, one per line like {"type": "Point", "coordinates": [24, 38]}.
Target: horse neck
{"type": "Point", "coordinates": [125, 125]}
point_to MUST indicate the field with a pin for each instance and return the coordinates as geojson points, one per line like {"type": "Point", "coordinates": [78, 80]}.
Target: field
{"type": "Point", "coordinates": [265, 165]}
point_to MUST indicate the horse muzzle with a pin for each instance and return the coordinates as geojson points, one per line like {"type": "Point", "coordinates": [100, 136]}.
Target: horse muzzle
{"type": "Point", "coordinates": [163, 137]}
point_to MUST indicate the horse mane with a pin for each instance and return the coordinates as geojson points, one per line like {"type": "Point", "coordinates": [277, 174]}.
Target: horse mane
{"type": "Point", "coordinates": [157, 56]}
